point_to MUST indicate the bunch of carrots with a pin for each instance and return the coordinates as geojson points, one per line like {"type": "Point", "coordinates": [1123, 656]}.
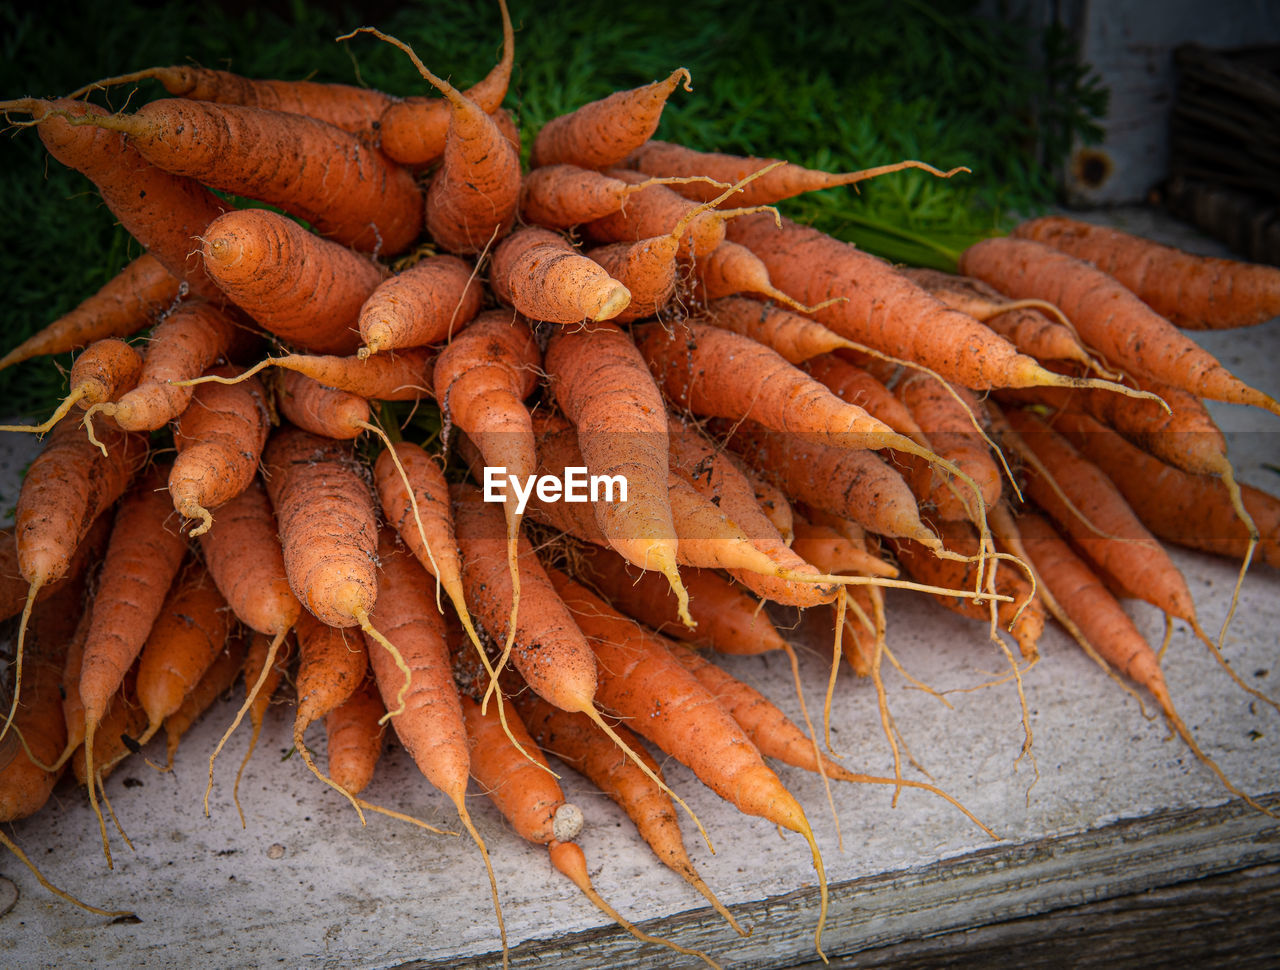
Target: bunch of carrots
{"type": "Point", "coordinates": [227, 494]}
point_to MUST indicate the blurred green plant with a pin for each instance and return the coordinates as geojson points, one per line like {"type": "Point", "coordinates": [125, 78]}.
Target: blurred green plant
{"type": "Point", "coordinates": [833, 84]}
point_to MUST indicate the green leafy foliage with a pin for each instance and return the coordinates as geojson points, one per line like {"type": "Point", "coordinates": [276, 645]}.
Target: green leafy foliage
{"type": "Point", "coordinates": [833, 84]}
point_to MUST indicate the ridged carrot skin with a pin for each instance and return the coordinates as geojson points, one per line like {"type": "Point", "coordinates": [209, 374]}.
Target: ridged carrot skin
{"type": "Point", "coordinates": [216, 681]}
{"type": "Point", "coordinates": [166, 213]}
{"type": "Point", "coordinates": [123, 306]}
{"type": "Point", "coordinates": [304, 289]}
{"type": "Point", "coordinates": [219, 439]}
{"type": "Point", "coordinates": [539, 273]}
{"type": "Point", "coordinates": [652, 211]}
{"type": "Point", "coordinates": [882, 307]}
{"type": "Point", "coordinates": [1109, 318]}
{"type": "Point", "coordinates": [24, 786]}
{"type": "Point", "coordinates": [328, 527]}
{"type": "Point", "coordinates": [403, 376]}
{"type": "Point", "coordinates": [431, 491]}
{"type": "Point", "coordinates": [564, 196]}
{"type": "Point", "coordinates": [856, 386]}
{"type": "Point", "coordinates": [1195, 292]}
{"type": "Point", "coordinates": [355, 110]}
{"type": "Point", "coordinates": [427, 303]}
{"type": "Point", "coordinates": [1190, 510]}
{"type": "Point", "coordinates": [321, 410]}
{"type": "Point", "coordinates": [332, 664]}
{"type": "Point", "coordinates": [603, 133]}
{"type": "Point", "coordinates": [189, 633]}
{"type": "Point", "coordinates": [355, 737]}
{"type": "Point", "coordinates": [107, 369]}
{"type": "Point", "coordinates": [143, 556]}
{"type": "Point", "coordinates": [358, 198]}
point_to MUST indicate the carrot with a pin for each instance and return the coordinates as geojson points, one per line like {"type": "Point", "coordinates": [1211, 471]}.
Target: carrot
{"type": "Point", "coordinates": [355, 110]}
{"type": "Point", "coordinates": [404, 376]}
{"type": "Point", "coordinates": [188, 635]}
{"type": "Point", "coordinates": [473, 196]}
{"type": "Point", "coordinates": [244, 559]}
{"type": "Point", "coordinates": [664, 158]}
{"type": "Point", "coordinates": [425, 304]}
{"type": "Point", "coordinates": [832, 552]}
{"type": "Point", "coordinates": [945, 414]}
{"type": "Point", "coordinates": [602, 133]}
{"type": "Point", "coordinates": [1021, 322]}
{"type": "Point", "coordinates": [1190, 510]}
{"type": "Point", "coordinates": [358, 198]}
{"type": "Point", "coordinates": [1196, 292]}
{"type": "Point", "coordinates": [219, 439]}
{"type": "Point", "coordinates": [66, 488]}
{"type": "Point", "coordinates": [13, 588]}
{"type": "Point", "coordinates": [25, 787]}
{"type": "Point", "coordinates": [603, 386]}
{"type": "Point", "coordinates": [885, 310]}
{"type": "Point", "coordinates": [564, 196]}
{"type": "Point", "coordinates": [732, 268]}
{"type": "Point", "coordinates": [578, 743]}
{"type": "Point", "coordinates": [772, 500]}
{"type": "Point", "coordinates": [1106, 626]}
{"type": "Point", "coordinates": [72, 705]}
{"type": "Point", "coordinates": [260, 681]}
{"type": "Point", "coordinates": [183, 345]}
{"type": "Point", "coordinates": [1109, 318]}
{"type": "Point", "coordinates": [718, 479]}
{"type": "Point", "coordinates": [641, 682]}
{"type": "Point", "coordinates": [107, 369]}
{"type": "Point", "coordinates": [652, 211]}
{"type": "Point", "coordinates": [413, 130]}
{"type": "Point", "coordinates": [217, 680]}
{"type": "Point", "coordinates": [539, 273]}
{"type": "Point", "coordinates": [321, 410]}
{"type": "Point", "coordinates": [124, 720]}
{"type": "Point", "coordinates": [304, 289]}
{"type": "Point", "coordinates": [123, 306]}
{"type": "Point", "coordinates": [431, 726]}
{"type": "Point", "coordinates": [1023, 616]}
{"type": "Point", "coordinates": [354, 731]}
{"type": "Point", "coordinates": [857, 386]}
{"type": "Point", "coordinates": [526, 793]}
{"type": "Point", "coordinates": [728, 620]}
{"type": "Point", "coordinates": [164, 212]}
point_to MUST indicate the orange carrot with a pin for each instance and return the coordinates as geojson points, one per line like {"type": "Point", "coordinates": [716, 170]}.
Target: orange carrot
{"type": "Point", "coordinates": [652, 211]}
{"type": "Point", "coordinates": [885, 310]}
{"type": "Point", "coordinates": [1018, 321]}
{"type": "Point", "coordinates": [125, 720]}
{"type": "Point", "coordinates": [728, 620]}
{"type": "Point", "coordinates": [358, 198]}
{"type": "Point", "coordinates": [105, 370]}
{"type": "Point", "coordinates": [602, 133]}
{"type": "Point", "coordinates": [354, 730]}
{"type": "Point", "coordinates": [564, 196]}
{"type": "Point", "coordinates": [217, 680]}
{"type": "Point", "coordinates": [183, 345]}
{"type": "Point", "coordinates": [413, 131]}
{"type": "Point", "coordinates": [832, 552]}
{"type": "Point", "coordinates": [66, 488]}
{"type": "Point", "coordinates": [603, 386]}
{"type": "Point", "coordinates": [1192, 291]}
{"type": "Point", "coordinates": [13, 588]}
{"type": "Point", "coordinates": [539, 273]}
{"type": "Point", "coordinates": [403, 376]}
{"type": "Point", "coordinates": [164, 212]}
{"type": "Point", "coordinates": [857, 386]}
{"type": "Point", "coordinates": [302, 288]}
{"type": "Point", "coordinates": [1109, 318]}
{"type": "Point", "coordinates": [427, 303]}
{"type": "Point", "coordinates": [1190, 510]}
{"type": "Point", "coordinates": [219, 439]}
{"type": "Point", "coordinates": [260, 681]}
{"type": "Point", "coordinates": [321, 410]}
{"type": "Point", "coordinates": [641, 682]}
{"type": "Point", "coordinates": [732, 268]}
{"type": "Point", "coordinates": [122, 307]}
{"type": "Point", "coordinates": [580, 744]}
{"type": "Point", "coordinates": [664, 158]}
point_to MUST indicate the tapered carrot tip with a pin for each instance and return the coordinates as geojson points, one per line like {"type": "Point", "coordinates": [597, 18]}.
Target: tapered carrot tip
{"type": "Point", "coordinates": [613, 300]}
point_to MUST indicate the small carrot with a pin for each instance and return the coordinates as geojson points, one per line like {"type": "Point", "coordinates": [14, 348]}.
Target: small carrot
{"type": "Point", "coordinates": [354, 730]}
{"type": "Point", "coordinates": [217, 680]}
{"type": "Point", "coordinates": [304, 289]}
{"type": "Point", "coordinates": [652, 211]}
{"type": "Point", "coordinates": [664, 158]}
{"type": "Point", "coordinates": [857, 386]}
{"type": "Point", "coordinates": [358, 198]}
{"type": "Point", "coordinates": [219, 439]}
{"type": "Point", "coordinates": [107, 369]}
{"type": "Point", "coordinates": [1109, 318]}
{"type": "Point", "coordinates": [1196, 292]}
{"type": "Point", "coordinates": [539, 273]}
{"type": "Point", "coordinates": [564, 196]}
{"type": "Point", "coordinates": [427, 303]}
{"type": "Point", "coordinates": [123, 306]}
{"type": "Point", "coordinates": [602, 133]}
{"type": "Point", "coordinates": [183, 345]}
{"type": "Point", "coordinates": [604, 387]}
{"type": "Point", "coordinates": [732, 268]}
{"type": "Point", "coordinates": [404, 376]}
